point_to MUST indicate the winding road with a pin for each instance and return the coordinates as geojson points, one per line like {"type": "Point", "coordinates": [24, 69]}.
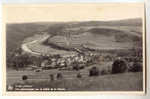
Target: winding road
{"type": "Point", "coordinates": [39, 40]}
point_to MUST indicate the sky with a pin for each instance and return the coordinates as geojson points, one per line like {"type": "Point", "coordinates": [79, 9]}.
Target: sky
{"type": "Point", "coordinates": [20, 13]}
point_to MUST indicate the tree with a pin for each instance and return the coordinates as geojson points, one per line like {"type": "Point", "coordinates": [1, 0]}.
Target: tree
{"type": "Point", "coordinates": [79, 75]}
{"type": "Point", "coordinates": [51, 77]}
{"type": "Point", "coordinates": [75, 66]}
{"type": "Point", "coordinates": [94, 71]}
{"type": "Point", "coordinates": [59, 76]}
{"type": "Point", "coordinates": [24, 77]}
{"type": "Point", "coordinates": [20, 60]}
{"type": "Point", "coordinates": [119, 66]}
{"type": "Point", "coordinates": [136, 67]}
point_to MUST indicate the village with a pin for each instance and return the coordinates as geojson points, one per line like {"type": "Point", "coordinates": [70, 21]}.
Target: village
{"type": "Point", "coordinates": [79, 60]}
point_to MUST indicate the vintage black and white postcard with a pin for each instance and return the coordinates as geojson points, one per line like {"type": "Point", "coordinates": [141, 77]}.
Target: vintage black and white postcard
{"type": "Point", "coordinates": [74, 48]}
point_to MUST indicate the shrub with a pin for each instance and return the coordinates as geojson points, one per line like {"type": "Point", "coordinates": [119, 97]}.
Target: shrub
{"type": "Point", "coordinates": [79, 75]}
{"type": "Point", "coordinates": [51, 77]}
{"type": "Point", "coordinates": [104, 72]}
{"type": "Point", "coordinates": [136, 67]}
{"type": "Point", "coordinates": [76, 67]}
{"type": "Point", "coordinates": [119, 66]}
{"type": "Point", "coordinates": [94, 71]}
{"type": "Point", "coordinates": [59, 76]}
{"type": "Point", "coordinates": [24, 77]}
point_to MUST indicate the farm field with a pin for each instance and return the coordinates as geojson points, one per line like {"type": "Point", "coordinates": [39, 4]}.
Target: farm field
{"type": "Point", "coordinates": [96, 38]}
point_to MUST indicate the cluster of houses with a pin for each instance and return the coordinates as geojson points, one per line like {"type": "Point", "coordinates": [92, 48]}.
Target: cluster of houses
{"type": "Point", "coordinates": [75, 61]}
{"type": "Point", "coordinates": [78, 60]}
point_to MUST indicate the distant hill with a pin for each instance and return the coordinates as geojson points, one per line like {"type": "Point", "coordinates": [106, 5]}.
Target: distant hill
{"type": "Point", "coordinates": [100, 35]}
{"type": "Point", "coordinates": [127, 22]}
{"type": "Point", "coordinates": [17, 32]}
{"type": "Point", "coordinates": [97, 38]}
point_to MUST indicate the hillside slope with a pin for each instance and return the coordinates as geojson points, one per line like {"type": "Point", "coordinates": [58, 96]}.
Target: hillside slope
{"type": "Point", "coordinates": [16, 33]}
{"type": "Point", "coordinates": [97, 38]}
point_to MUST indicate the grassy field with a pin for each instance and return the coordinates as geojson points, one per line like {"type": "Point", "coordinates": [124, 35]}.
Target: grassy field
{"type": "Point", "coordinates": [13, 75]}
{"type": "Point", "coordinates": [118, 82]}
{"type": "Point", "coordinates": [129, 81]}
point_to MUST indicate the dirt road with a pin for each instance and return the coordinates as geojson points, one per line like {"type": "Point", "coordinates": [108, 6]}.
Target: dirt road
{"type": "Point", "coordinates": [28, 50]}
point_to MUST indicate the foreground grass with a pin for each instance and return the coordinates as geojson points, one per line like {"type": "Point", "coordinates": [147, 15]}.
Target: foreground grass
{"type": "Point", "coordinates": [117, 82]}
